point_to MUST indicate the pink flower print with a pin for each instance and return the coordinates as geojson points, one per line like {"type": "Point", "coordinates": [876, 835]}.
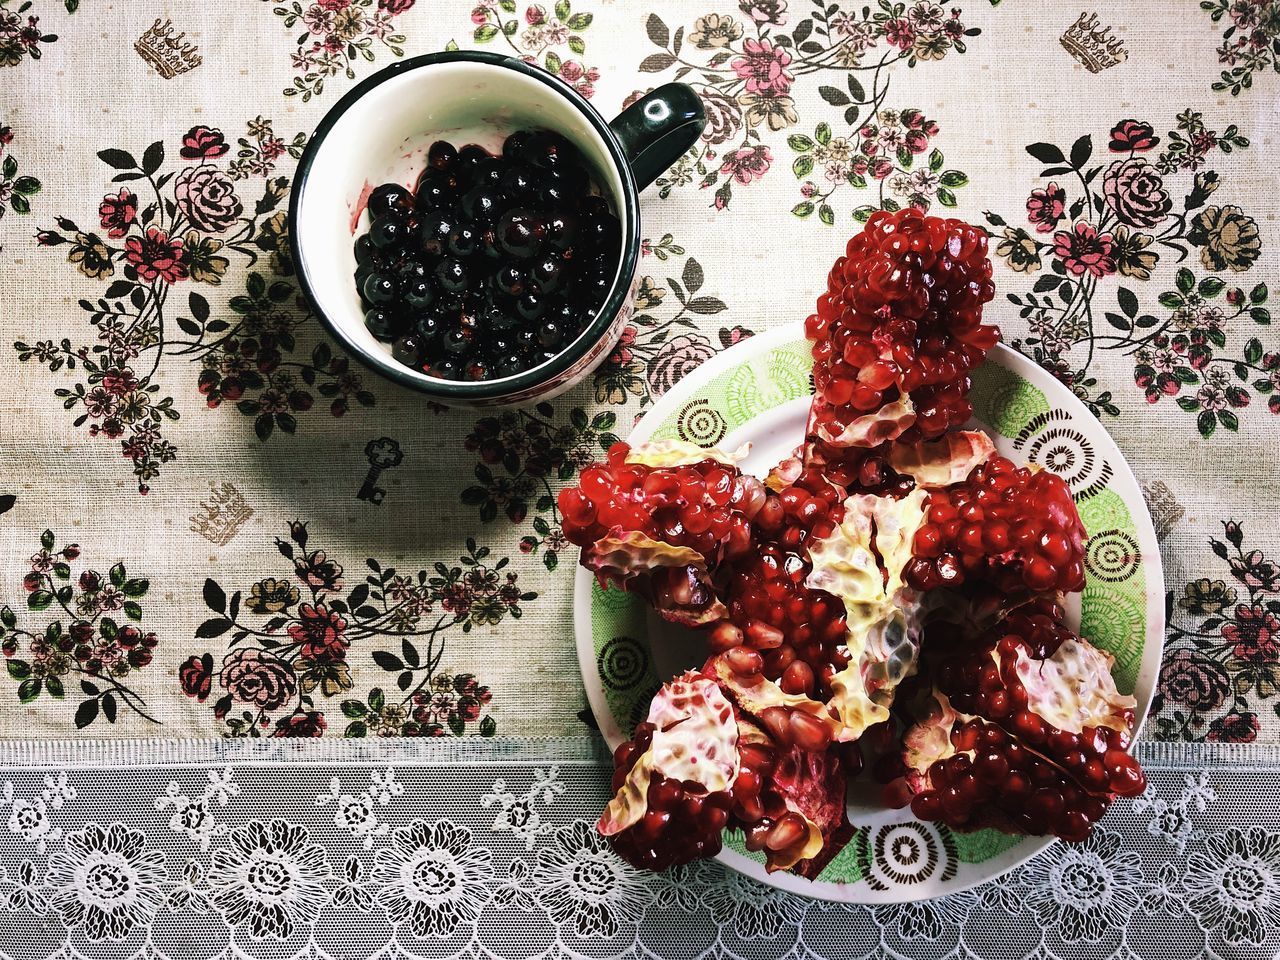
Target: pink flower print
{"type": "Point", "coordinates": [900, 33]}
{"type": "Point", "coordinates": [747, 163]}
{"type": "Point", "coordinates": [1046, 207]}
{"type": "Point", "coordinates": [1084, 250]}
{"type": "Point", "coordinates": [764, 68]}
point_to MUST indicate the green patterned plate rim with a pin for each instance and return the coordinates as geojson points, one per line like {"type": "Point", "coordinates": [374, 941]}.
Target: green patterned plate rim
{"type": "Point", "coordinates": [763, 384]}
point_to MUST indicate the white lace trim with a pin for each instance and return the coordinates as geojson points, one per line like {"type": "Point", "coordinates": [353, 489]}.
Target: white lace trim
{"type": "Point", "coordinates": [485, 849]}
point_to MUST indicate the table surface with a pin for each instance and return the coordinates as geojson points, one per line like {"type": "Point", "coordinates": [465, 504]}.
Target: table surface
{"type": "Point", "coordinates": [185, 477]}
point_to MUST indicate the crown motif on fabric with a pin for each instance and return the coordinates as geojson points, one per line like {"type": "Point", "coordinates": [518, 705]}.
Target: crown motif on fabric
{"type": "Point", "coordinates": [222, 516]}
{"type": "Point", "coordinates": [168, 53]}
{"type": "Point", "coordinates": [1093, 45]}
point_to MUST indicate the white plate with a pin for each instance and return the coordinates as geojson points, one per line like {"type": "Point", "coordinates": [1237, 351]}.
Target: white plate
{"type": "Point", "coordinates": [759, 391]}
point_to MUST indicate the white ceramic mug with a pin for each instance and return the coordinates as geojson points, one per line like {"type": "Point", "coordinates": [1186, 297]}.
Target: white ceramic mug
{"type": "Point", "coordinates": [380, 131]}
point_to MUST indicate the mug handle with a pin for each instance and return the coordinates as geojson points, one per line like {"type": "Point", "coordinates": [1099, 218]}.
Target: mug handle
{"type": "Point", "coordinates": [658, 128]}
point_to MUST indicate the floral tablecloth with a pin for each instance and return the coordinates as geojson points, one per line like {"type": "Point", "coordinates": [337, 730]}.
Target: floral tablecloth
{"type": "Point", "coordinates": [214, 524]}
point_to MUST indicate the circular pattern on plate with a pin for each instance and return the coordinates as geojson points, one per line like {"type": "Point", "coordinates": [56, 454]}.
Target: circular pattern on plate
{"type": "Point", "coordinates": [622, 663]}
{"type": "Point", "coordinates": [701, 423]}
{"type": "Point", "coordinates": [905, 854]}
{"type": "Point", "coordinates": [1052, 441]}
{"type": "Point", "coordinates": [761, 387]}
{"type": "Point", "coordinates": [1112, 556]}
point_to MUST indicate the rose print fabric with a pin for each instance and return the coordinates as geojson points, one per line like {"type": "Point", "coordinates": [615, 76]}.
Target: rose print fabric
{"type": "Point", "coordinates": [214, 523]}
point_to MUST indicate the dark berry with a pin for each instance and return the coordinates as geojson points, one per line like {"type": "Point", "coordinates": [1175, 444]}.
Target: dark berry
{"type": "Point", "coordinates": [464, 240]}
{"type": "Point", "coordinates": [489, 174]}
{"type": "Point", "coordinates": [550, 334]}
{"type": "Point", "coordinates": [382, 323]}
{"type": "Point", "coordinates": [365, 251]}
{"type": "Point", "coordinates": [446, 368]}
{"type": "Point", "coordinates": [520, 232]}
{"type": "Point", "coordinates": [547, 272]}
{"type": "Point", "coordinates": [526, 340]}
{"type": "Point", "coordinates": [550, 150]}
{"type": "Point", "coordinates": [410, 270]}
{"type": "Point", "coordinates": [435, 233]}
{"type": "Point", "coordinates": [601, 231]}
{"type": "Point", "coordinates": [428, 329]}
{"type": "Point", "coordinates": [515, 146]}
{"type": "Point", "coordinates": [379, 289]}
{"type": "Point", "coordinates": [408, 350]}
{"type": "Point", "coordinates": [592, 289]}
{"type": "Point", "coordinates": [562, 312]}
{"type": "Point", "coordinates": [501, 320]}
{"type": "Point", "coordinates": [477, 370]}
{"type": "Point", "coordinates": [489, 245]}
{"type": "Point", "coordinates": [420, 294]}
{"type": "Point", "coordinates": [573, 179]}
{"type": "Point", "coordinates": [471, 158]}
{"type": "Point", "coordinates": [387, 231]}
{"type": "Point", "coordinates": [481, 203]}
{"type": "Point", "coordinates": [509, 364]}
{"type": "Point", "coordinates": [562, 230]}
{"type": "Point", "coordinates": [594, 204]}
{"type": "Point", "coordinates": [510, 280]}
{"type": "Point", "coordinates": [518, 182]}
{"type": "Point", "coordinates": [499, 345]}
{"type": "Point", "coordinates": [441, 155]}
{"type": "Point", "coordinates": [530, 306]}
{"type": "Point", "coordinates": [553, 195]}
{"type": "Point", "coordinates": [455, 342]}
{"type": "Point", "coordinates": [436, 190]}
{"type": "Point", "coordinates": [451, 275]}
{"type": "Point", "coordinates": [389, 198]}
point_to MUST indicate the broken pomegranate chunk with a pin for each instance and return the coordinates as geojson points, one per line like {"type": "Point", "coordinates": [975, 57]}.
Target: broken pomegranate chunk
{"type": "Point", "coordinates": [1014, 525]}
{"type": "Point", "coordinates": [658, 518]}
{"type": "Point", "coordinates": [900, 324]}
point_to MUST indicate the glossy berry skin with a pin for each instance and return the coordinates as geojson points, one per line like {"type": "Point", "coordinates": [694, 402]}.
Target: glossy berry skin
{"type": "Point", "coordinates": [383, 324]}
{"type": "Point", "coordinates": [379, 289]}
{"type": "Point", "coordinates": [389, 199]}
{"type": "Point", "coordinates": [482, 245]}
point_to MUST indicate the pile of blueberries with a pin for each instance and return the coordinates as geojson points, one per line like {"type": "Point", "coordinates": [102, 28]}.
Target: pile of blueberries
{"type": "Point", "coordinates": [492, 265]}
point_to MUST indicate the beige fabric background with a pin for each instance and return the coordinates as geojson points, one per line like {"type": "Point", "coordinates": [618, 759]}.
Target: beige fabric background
{"type": "Point", "coordinates": [1015, 86]}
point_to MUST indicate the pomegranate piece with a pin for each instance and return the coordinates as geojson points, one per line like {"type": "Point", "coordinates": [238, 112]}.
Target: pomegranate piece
{"type": "Point", "coordinates": [1015, 526]}
{"type": "Point", "coordinates": [970, 774]}
{"type": "Point", "coordinates": [698, 764]}
{"type": "Point", "coordinates": [797, 814]}
{"type": "Point", "coordinates": [791, 719]}
{"type": "Point", "coordinates": [671, 492]}
{"type": "Point", "coordinates": [796, 629]}
{"type": "Point", "coordinates": [659, 518]}
{"type": "Point", "coordinates": [900, 323]}
{"type": "Point", "coordinates": [943, 462]}
{"type": "Point", "coordinates": [1064, 706]}
{"type": "Point", "coordinates": [673, 580]}
{"type": "Point", "coordinates": [673, 778]}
